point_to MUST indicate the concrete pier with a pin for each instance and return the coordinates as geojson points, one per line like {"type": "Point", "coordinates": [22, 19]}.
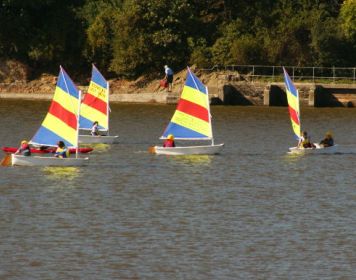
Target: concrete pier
{"type": "Point", "coordinates": [335, 96]}
{"type": "Point", "coordinates": [236, 93]}
{"type": "Point", "coordinates": [163, 98]}
{"type": "Point", "coordinates": [310, 94]}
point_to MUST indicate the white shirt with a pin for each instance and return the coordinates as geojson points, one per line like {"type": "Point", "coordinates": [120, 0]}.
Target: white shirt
{"type": "Point", "coordinates": [94, 130]}
{"type": "Point", "coordinates": [168, 71]}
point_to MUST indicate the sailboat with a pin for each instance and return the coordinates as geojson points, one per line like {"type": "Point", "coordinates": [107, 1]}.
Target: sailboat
{"type": "Point", "coordinates": [95, 108]}
{"type": "Point", "coordinates": [60, 123]}
{"type": "Point", "coordinates": [191, 121]}
{"type": "Point", "coordinates": [294, 112]}
{"type": "Point", "coordinates": [47, 150]}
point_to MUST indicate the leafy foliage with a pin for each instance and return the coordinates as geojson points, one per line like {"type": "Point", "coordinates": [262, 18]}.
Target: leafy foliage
{"type": "Point", "coordinates": [132, 37]}
{"type": "Point", "coordinates": [348, 19]}
{"type": "Point", "coordinates": [41, 33]}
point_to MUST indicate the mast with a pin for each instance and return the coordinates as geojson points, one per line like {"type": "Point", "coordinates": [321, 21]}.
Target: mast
{"type": "Point", "coordinates": [77, 132]}
{"type": "Point", "coordinates": [300, 121]}
{"type": "Point", "coordinates": [211, 127]}
{"type": "Point", "coordinates": [107, 106]}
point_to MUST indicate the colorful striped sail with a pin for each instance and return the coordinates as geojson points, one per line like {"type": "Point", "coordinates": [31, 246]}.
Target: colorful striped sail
{"type": "Point", "coordinates": [61, 121]}
{"type": "Point", "coordinates": [293, 104]}
{"type": "Point", "coordinates": [191, 120]}
{"type": "Point", "coordinates": [94, 106]}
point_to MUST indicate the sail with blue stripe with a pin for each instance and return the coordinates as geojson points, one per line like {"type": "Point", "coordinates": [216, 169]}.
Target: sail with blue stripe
{"type": "Point", "coordinates": [61, 121]}
{"type": "Point", "coordinates": [95, 104]}
{"type": "Point", "coordinates": [191, 120]}
{"type": "Point", "coordinates": [293, 104]}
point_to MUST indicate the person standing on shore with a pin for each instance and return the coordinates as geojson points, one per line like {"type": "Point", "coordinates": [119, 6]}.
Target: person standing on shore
{"type": "Point", "coordinates": [168, 77]}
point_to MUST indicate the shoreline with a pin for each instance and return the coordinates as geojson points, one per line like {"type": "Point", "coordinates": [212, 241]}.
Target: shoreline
{"type": "Point", "coordinates": [228, 93]}
{"type": "Point", "coordinates": [149, 97]}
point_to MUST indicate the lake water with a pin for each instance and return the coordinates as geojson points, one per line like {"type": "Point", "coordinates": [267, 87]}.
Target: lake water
{"type": "Point", "coordinates": [252, 212]}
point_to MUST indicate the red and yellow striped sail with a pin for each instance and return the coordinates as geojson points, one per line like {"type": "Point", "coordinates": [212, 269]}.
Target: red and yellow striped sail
{"type": "Point", "coordinates": [191, 120]}
{"type": "Point", "coordinates": [293, 104]}
{"type": "Point", "coordinates": [94, 106]}
{"type": "Point", "coordinates": [61, 121]}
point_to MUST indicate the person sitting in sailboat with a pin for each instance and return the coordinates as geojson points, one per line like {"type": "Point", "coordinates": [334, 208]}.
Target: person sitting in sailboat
{"type": "Point", "coordinates": [62, 151]}
{"type": "Point", "coordinates": [24, 149]}
{"type": "Point", "coordinates": [305, 141]}
{"type": "Point", "coordinates": [95, 129]}
{"type": "Point", "coordinates": [328, 141]}
{"type": "Point", "coordinates": [169, 142]}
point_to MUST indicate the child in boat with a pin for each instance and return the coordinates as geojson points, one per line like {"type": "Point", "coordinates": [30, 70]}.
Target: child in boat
{"type": "Point", "coordinates": [62, 151]}
{"type": "Point", "coordinates": [305, 141]}
{"type": "Point", "coordinates": [24, 149]}
{"type": "Point", "coordinates": [95, 129]}
{"type": "Point", "coordinates": [169, 142]}
{"type": "Point", "coordinates": [328, 141]}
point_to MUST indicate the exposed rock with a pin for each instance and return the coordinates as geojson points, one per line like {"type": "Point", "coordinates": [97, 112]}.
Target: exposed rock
{"type": "Point", "coordinates": [13, 71]}
{"type": "Point", "coordinates": [217, 82]}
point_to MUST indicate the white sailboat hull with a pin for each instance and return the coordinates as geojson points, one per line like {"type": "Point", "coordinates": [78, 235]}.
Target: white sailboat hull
{"type": "Point", "coordinates": [47, 161]}
{"type": "Point", "coordinates": [188, 150]}
{"type": "Point", "coordinates": [317, 150]}
{"type": "Point", "coordinates": [90, 139]}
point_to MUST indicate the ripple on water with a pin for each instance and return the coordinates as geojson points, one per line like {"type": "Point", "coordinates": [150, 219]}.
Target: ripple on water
{"type": "Point", "coordinates": [253, 212]}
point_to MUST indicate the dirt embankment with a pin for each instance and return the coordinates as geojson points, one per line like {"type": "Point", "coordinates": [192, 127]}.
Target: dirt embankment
{"type": "Point", "coordinates": [14, 78]}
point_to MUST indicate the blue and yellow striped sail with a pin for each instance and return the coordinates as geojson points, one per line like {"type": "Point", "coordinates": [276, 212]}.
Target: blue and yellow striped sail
{"type": "Point", "coordinates": [94, 106]}
{"type": "Point", "coordinates": [191, 120]}
{"type": "Point", "coordinates": [293, 104]}
{"type": "Point", "coordinates": [61, 121]}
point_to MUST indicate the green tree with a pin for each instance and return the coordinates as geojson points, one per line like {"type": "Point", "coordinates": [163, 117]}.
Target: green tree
{"type": "Point", "coordinates": [150, 34]}
{"type": "Point", "coordinates": [221, 50]}
{"type": "Point", "coordinates": [200, 53]}
{"type": "Point", "coordinates": [348, 19]}
{"type": "Point", "coordinates": [132, 37]}
{"type": "Point", "coordinates": [246, 50]}
{"type": "Point", "coordinates": [100, 20]}
{"type": "Point", "coordinates": [42, 33]}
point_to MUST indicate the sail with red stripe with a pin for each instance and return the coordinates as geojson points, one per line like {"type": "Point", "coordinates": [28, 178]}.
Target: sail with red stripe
{"type": "Point", "coordinates": [293, 104]}
{"type": "Point", "coordinates": [95, 104]}
{"type": "Point", "coordinates": [191, 120]}
{"type": "Point", "coordinates": [61, 121]}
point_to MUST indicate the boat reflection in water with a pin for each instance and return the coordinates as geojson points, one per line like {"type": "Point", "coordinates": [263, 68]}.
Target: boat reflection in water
{"type": "Point", "coordinates": [193, 159]}
{"type": "Point", "coordinates": [68, 173]}
{"type": "Point", "coordinates": [98, 147]}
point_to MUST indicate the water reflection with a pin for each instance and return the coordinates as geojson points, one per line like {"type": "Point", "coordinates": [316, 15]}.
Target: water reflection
{"type": "Point", "coordinates": [193, 159]}
{"type": "Point", "coordinates": [132, 215]}
{"type": "Point", "coordinates": [98, 147]}
{"type": "Point", "coordinates": [68, 173]}
{"type": "Point", "coordinates": [293, 157]}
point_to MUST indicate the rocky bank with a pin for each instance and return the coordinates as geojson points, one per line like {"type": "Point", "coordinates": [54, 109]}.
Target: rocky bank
{"type": "Point", "coordinates": [14, 79]}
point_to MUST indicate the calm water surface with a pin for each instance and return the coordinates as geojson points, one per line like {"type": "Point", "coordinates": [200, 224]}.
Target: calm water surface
{"type": "Point", "coordinates": [253, 212]}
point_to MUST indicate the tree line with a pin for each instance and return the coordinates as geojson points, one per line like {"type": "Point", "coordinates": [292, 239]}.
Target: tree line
{"type": "Point", "coordinates": [133, 37]}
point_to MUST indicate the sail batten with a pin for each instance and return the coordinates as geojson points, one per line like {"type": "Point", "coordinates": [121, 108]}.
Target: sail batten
{"type": "Point", "coordinates": [60, 123]}
{"type": "Point", "coordinates": [293, 104]}
{"type": "Point", "coordinates": [94, 106]}
{"type": "Point", "coordinates": [191, 120]}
